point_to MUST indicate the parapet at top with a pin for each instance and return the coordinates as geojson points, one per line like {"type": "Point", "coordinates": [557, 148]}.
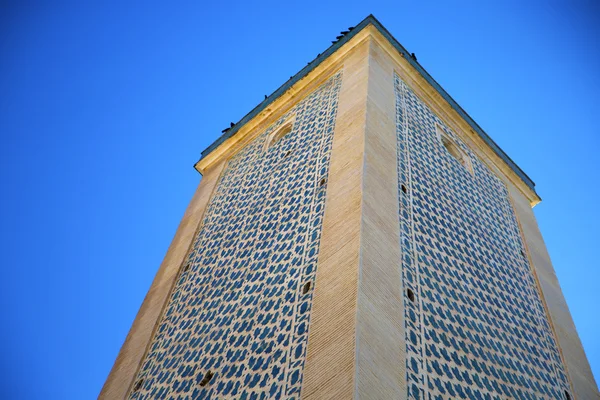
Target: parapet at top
{"type": "Point", "coordinates": [410, 58]}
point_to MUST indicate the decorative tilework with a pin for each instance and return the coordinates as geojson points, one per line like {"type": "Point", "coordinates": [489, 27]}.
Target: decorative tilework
{"type": "Point", "coordinates": [477, 328]}
{"type": "Point", "coordinates": [238, 308]}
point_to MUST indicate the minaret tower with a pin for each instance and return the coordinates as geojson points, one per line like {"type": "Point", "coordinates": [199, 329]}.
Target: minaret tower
{"type": "Point", "coordinates": [356, 235]}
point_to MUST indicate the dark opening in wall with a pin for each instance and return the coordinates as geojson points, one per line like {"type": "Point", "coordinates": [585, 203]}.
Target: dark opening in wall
{"type": "Point", "coordinates": [186, 267]}
{"type": "Point", "coordinates": [410, 294]}
{"type": "Point", "coordinates": [567, 395]}
{"type": "Point", "coordinates": [209, 375]}
{"type": "Point", "coordinates": [404, 189]}
{"type": "Point", "coordinates": [322, 182]}
{"type": "Point", "coordinates": [306, 288]}
{"type": "Point", "coordinates": [138, 385]}
{"type": "Point", "coordinates": [287, 154]}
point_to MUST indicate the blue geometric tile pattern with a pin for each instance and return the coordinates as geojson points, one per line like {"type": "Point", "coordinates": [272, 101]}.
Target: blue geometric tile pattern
{"type": "Point", "coordinates": [476, 327]}
{"type": "Point", "coordinates": [239, 308]}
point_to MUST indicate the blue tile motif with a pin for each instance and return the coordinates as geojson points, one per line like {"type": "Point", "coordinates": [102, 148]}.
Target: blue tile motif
{"type": "Point", "coordinates": [239, 310]}
{"type": "Point", "coordinates": [477, 328]}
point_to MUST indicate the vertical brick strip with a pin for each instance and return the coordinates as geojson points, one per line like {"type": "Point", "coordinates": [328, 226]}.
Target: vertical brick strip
{"type": "Point", "coordinates": [381, 355]}
{"type": "Point", "coordinates": [330, 363]}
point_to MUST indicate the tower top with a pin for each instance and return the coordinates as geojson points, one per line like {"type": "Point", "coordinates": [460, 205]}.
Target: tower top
{"type": "Point", "coordinates": [340, 41]}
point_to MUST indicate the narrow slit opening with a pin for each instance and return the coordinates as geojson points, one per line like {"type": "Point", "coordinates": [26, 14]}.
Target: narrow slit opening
{"type": "Point", "coordinates": [410, 294]}
{"type": "Point", "coordinates": [306, 287]}
{"type": "Point", "coordinates": [138, 385]}
{"type": "Point", "coordinates": [322, 182]}
{"type": "Point", "coordinates": [567, 395]}
{"type": "Point", "coordinates": [207, 377]}
{"type": "Point", "coordinates": [404, 189]}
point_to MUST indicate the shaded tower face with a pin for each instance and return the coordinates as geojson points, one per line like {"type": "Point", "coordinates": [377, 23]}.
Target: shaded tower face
{"type": "Point", "coordinates": [356, 236]}
{"type": "Point", "coordinates": [476, 326]}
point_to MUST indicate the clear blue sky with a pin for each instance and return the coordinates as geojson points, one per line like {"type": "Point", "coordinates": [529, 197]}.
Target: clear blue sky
{"type": "Point", "coordinates": [104, 110]}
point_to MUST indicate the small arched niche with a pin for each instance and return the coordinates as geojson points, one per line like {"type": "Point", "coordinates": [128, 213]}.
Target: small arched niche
{"type": "Point", "coordinates": [454, 149]}
{"type": "Point", "coordinates": [279, 134]}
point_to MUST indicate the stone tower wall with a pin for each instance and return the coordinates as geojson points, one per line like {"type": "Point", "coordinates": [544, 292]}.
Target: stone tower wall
{"type": "Point", "coordinates": [380, 249]}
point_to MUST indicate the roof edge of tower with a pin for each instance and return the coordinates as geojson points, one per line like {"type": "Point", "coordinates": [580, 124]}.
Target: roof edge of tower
{"type": "Point", "coordinates": [370, 20]}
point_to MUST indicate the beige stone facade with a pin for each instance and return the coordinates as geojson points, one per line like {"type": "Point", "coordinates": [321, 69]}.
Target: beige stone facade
{"type": "Point", "coordinates": [330, 312]}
